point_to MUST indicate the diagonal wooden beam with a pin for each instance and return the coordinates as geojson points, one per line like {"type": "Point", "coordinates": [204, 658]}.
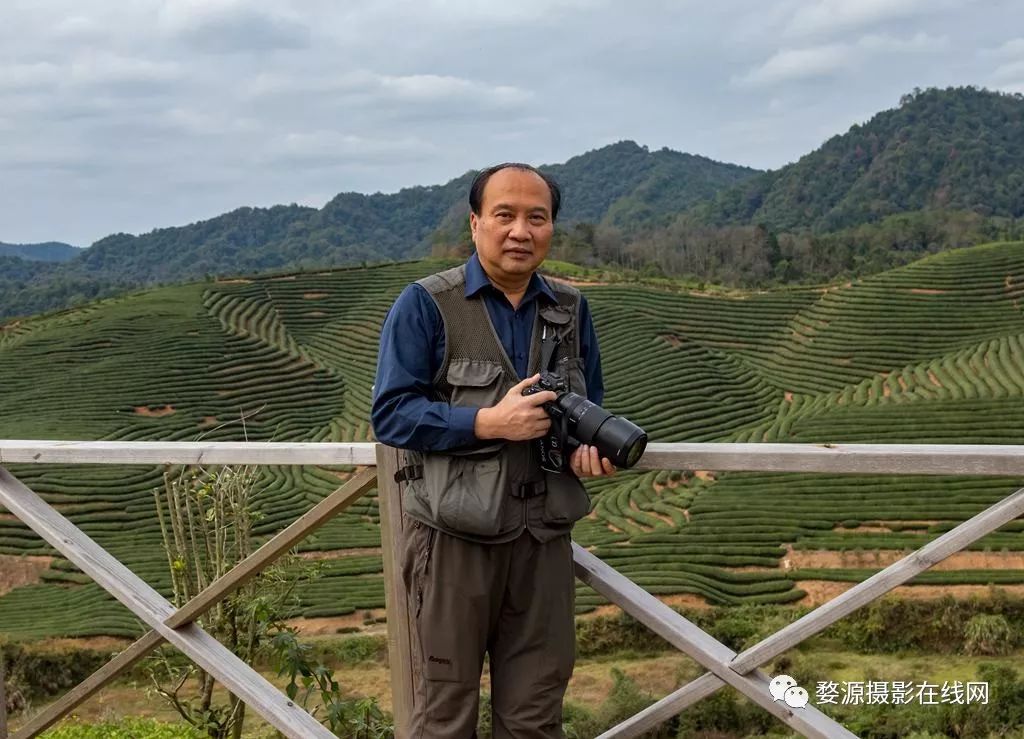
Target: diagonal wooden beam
{"type": "Point", "coordinates": [88, 687]}
{"type": "Point", "coordinates": [882, 582]}
{"type": "Point", "coordinates": [658, 713]}
{"type": "Point", "coordinates": [270, 552]}
{"type": "Point", "coordinates": [245, 570]}
{"type": "Point", "coordinates": [154, 610]}
{"type": "Point", "coordinates": [702, 647]}
{"type": "Point", "coordinates": [879, 584]}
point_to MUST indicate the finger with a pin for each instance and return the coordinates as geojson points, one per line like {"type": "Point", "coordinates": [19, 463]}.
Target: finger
{"type": "Point", "coordinates": [585, 461]}
{"type": "Point", "coordinates": [523, 384]}
{"type": "Point", "coordinates": [574, 463]}
{"type": "Point", "coordinates": [595, 462]}
{"type": "Point", "coordinates": [541, 398]}
{"type": "Point", "coordinates": [609, 468]}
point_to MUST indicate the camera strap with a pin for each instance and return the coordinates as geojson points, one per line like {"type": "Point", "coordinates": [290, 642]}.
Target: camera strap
{"type": "Point", "coordinates": [549, 341]}
{"type": "Point", "coordinates": [556, 325]}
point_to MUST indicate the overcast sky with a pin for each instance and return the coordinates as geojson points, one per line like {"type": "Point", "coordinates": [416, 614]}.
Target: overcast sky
{"type": "Point", "coordinates": [127, 116]}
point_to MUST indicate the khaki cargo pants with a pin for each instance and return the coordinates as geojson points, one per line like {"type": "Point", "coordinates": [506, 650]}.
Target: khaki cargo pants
{"type": "Point", "coordinates": [514, 601]}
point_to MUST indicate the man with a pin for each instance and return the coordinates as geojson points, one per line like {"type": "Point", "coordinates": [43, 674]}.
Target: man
{"type": "Point", "coordinates": [488, 563]}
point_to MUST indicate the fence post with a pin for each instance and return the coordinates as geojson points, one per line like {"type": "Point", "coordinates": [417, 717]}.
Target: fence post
{"type": "Point", "coordinates": [392, 538]}
{"type": "Point", "coordinates": [3, 694]}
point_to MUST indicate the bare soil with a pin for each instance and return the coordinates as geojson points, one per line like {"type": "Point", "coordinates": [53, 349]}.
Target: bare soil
{"type": "Point", "coordinates": [820, 591]}
{"type": "Point", "coordinates": [334, 624]}
{"type": "Point", "coordinates": [340, 553]}
{"type": "Point", "coordinates": [18, 571]}
{"type": "Point", "coordinates": [165, 410]}
{"type": "Point", "coordinates": [314, 296]}
{"type": "Point", "coordinates": [575, 283]}
{"type": "Point", "coordinates": [933, 379]}
{"type": "Point", "coordinates": [870, 559]}
{"type": "Point", "coordinates": [927, 291]}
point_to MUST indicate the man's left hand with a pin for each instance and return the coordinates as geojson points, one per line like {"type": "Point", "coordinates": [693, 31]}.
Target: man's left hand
{"type": "Point", "coordinates": [585, 462]}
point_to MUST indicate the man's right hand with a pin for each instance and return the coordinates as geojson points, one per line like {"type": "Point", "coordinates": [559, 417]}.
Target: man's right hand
{"type": "Point", "coordinates": [516, 417]}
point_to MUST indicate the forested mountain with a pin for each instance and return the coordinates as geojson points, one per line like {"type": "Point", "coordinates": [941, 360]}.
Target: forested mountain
{"type": "Point", "coordinates": [51, 251]}
{"type": "Point", "coordinates": [944, 169]}
{"type": "Point", "coordinates": [956, 149]}
{"type": "Point", "coordinates": [624, 181]}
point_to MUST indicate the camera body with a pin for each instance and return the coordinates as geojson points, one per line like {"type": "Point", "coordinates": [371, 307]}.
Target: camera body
{"type": "Point", "coordinates": [554, 450]}
{"type": "Point", "coordinates": [575, 420]}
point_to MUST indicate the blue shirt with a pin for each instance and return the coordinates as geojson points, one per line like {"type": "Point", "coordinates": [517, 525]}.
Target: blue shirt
{"type": "Point", "coordinates": [412, 341]}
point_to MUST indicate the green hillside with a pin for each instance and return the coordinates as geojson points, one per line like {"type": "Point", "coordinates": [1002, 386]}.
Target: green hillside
{"type": "Point", "coordinates": [932, 352]}
{"type": "Point", "coordinates": [957, 149]}
{"type": "Point", "coordinates": [625, 183]}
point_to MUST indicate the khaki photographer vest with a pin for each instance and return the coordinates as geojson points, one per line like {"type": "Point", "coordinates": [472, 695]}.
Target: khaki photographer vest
{"type": "Point", "coordinates": [490, 493]}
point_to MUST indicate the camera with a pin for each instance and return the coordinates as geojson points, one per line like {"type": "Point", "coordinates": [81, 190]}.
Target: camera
{"type": "Point", "coordinates": [575, 420]}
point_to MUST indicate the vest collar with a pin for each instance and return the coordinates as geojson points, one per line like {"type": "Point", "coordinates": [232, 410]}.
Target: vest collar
{"type": "Point", "coordinates": [477, 280]}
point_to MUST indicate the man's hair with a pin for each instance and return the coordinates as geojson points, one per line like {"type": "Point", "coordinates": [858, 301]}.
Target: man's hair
{"type": "Point", "coordinates": [476, 190]}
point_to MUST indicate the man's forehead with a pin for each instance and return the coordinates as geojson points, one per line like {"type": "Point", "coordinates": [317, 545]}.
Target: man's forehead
{"type": "Point", "coordinates": [512, 186]}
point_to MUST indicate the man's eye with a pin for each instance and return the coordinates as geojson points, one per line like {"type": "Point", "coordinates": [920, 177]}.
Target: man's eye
{"type": "Point", "coordinates": [504, 216]}
{"type": "Point", "coordinates": [538, 219]}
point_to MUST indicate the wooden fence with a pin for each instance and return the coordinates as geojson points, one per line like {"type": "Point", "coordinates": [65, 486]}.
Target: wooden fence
{"type": "Point", "coordinates": [724, 667]}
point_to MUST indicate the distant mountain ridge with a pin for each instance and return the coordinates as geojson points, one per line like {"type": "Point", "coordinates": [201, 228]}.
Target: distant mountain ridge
{"type": "Point", "coordinates": [50, 251]}
{"type": "Point", "coordinates": [944, 169]}
{"type": "Point", "coordinates": [353, 227]}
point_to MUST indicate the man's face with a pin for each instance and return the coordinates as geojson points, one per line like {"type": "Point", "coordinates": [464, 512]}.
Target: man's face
{"type": "Point", "coordinates": [514, 229]}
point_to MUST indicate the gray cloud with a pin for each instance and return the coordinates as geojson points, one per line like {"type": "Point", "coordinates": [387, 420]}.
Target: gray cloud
{"type": "Point", "coordinates": [230, 26]}
{"type": "Point", "coordinates": [130, 116]}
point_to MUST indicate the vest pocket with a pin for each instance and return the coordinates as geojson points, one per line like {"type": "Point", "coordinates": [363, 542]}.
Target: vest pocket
{"type": "Point", "coordinates": [566, 500]}
{"type": "Point", "coordinates": [476, 383]}
{"type": "Point", "coordinates": [466, 493]}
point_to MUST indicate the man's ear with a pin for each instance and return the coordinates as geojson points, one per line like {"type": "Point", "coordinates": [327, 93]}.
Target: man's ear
{"type": "Point", "coordinates": [474, 222]}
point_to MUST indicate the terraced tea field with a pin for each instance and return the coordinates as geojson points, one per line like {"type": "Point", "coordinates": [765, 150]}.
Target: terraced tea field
{"type": "Point", "coordinates": [933, 352]}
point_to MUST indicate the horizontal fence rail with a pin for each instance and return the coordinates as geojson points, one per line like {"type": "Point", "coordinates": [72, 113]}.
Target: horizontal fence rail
{"type": "Point", "coordinates": [878, 459]}
{"type": "Point", "coordinates": [724, 666]}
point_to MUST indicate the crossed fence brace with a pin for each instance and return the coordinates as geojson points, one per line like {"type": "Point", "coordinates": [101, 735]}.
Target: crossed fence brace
{"type": "Point", "coordinates": [725, 667]}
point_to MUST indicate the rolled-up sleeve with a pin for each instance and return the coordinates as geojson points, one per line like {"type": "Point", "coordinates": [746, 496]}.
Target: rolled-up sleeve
{"type": "Point", "coordinates": [405, 413]}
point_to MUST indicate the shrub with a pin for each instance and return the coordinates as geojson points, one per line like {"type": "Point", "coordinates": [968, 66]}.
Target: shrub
{"type": "Point", "coordinates": [130, 728]}
{"type": "Point", "coordinates": [988, 634]}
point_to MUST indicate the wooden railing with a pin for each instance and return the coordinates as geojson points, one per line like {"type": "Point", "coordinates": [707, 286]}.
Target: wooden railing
{"type": "Point", "coordinates": [725, 667]}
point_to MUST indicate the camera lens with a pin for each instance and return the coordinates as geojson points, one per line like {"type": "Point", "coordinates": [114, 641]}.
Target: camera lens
{"type": "Point", "coordinates": [618, 439]}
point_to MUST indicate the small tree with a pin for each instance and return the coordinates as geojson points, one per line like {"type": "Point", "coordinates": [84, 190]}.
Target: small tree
{"type": "Point", "coordinates": [206, 520]}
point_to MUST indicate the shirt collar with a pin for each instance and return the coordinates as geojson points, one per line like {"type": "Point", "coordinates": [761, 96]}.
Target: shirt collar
{"type": "Point", "coordinates": [477, 280]}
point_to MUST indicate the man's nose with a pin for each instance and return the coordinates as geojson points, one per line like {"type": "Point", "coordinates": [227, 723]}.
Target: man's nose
{"type": "Point", "coordinates": [519, 230]}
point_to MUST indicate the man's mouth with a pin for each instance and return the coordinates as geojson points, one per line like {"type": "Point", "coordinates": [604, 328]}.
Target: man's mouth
{"type": "Point", "coordinates": [515, 252]}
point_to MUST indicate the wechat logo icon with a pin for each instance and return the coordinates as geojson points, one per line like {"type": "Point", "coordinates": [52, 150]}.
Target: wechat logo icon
{"type": "Point", "coordinates": [784, 688]}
